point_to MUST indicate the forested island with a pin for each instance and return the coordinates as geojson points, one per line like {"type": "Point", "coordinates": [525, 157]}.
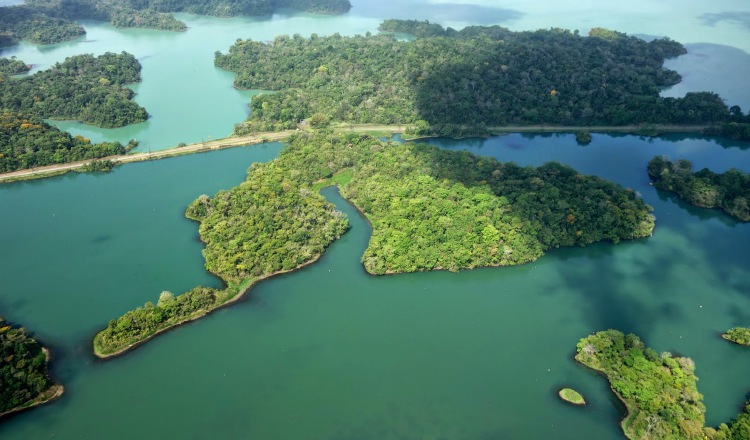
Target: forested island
{"type": "Point", "coordinates": [658, 390]}
{"type": "Point", "coordinates": [83, 87]}
{"type": "Point", "coordinates": [430, 209]}
{"type": "Point", "coordinates": [53, 21]}
{"type": "Point", "coordinates": [465, 82]}
{"type": "Point", "coordinates": [24, 380]}
{"type": "Point", "coordinates": [738, 335]}
{"type": "Point", "coordinates": [729, 191]}
{"type": "Point", "coordinates": [26, 141]}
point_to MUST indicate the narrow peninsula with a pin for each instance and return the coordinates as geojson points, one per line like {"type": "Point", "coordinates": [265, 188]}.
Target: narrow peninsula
{"type": "Point", "coordinates": [658, 390]}
{"type": "Point", "coordinates": [729, 191]}
{"type": "Point", "coordinates": [24, 379]}
{"type": "Point", "coordinates": [430, 209]}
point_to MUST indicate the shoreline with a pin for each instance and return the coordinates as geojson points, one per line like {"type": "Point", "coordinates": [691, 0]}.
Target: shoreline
{"type": "Point", "coordinates": [630, 413]}
{"type": "Point", "coordinates": [233, 141]}
{"type": "Point", "coordinates": [239, 295]}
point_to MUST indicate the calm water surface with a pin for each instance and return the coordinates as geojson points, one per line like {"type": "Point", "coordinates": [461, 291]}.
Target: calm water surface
{"type": "Point", "coordinates": [332, 353]}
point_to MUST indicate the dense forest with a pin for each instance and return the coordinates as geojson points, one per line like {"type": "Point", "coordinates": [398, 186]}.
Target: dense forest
{"type": "Point", "coordinates": [659, 390]}
{"type": "Point", "coordinates": [83, 87]}
{"type": "Point", "coordinates": [23, 370]}
{"type": "Point", "coordinates": [465, 81]}
{"type": "Point", "coordinates": [729, 191]}
{"type": "Point", "coordinates": [53, 21]}
{"type": "Point", "coordinates": [26, 141]}
{"type": "Point", "coordinates": [429, 209]}
{"type": "Point", "coordinates": [12, 66]}
{"type": "Point", "coordinates": [738, 335]}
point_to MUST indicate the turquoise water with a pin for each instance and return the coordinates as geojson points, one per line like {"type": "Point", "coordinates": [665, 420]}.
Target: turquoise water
{"type": "Point", "coordinates": [329, 352]}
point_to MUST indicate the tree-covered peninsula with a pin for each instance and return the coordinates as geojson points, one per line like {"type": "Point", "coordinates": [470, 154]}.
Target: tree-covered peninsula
{"type": "Point", "coordinates": [24, 380]}
{"type": "Point", "coordinates": [729, 191]}
{"type": "Point", "coordinates": [738, 335]}
{"type": "Point", "coordinates": [53, 21]}
{"type": "Point", "coordinates": [658, 390]}
{"type": "Point", "coordinates": [83, 87]}
{"type": "Point", "coordinates": [429, 209]}
{"type": "Point", "coordinates": [13, 66]}
{"type": "Point", "coordinates": [468, 81]}
{"type": "Point", "coordinates": [26, 141]}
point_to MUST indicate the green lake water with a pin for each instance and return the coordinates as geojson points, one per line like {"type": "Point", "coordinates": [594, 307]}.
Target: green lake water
{"type": "Point", "coordinates": [330, 352]}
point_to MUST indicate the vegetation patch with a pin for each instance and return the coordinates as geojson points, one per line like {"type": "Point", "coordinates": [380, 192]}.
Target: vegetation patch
{"type": "Point", "coordinates": [456, 83]}
{"type": "Point", "coordinates": [24, 379]}
{"type": "Point", "coordinates": [659, 390]}
{"type": "Point", "coordinates": [738, 335]}
{"type": "Point", "coordinates": [571, 396]}
{"type": "Point", "coordinates": [729, 191]}
{"type": "Point", "coordinates": [27, 141]}
{"type": "Point", "coordinates": [83, 88]}
{"type": "Point", "coordinates": [429, 208]}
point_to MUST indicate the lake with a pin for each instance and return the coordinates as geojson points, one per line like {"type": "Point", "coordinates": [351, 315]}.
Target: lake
{"type": "Point", "coordinates": [330, 352]}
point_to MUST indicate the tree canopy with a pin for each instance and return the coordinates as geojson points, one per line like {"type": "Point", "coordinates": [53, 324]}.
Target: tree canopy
{"type": "Point", "coordinates": [659, 390]}
{"type": "Point", "coordinates": [83, 87]}
{"type": "Point", "coordinates": [729, 191]}
{"type": "Point", "coordinates": [429, 209]}
{"type": "Point", "coordinates": [465, 81]}
{"type": "Point", "coordinates": [23, 368]}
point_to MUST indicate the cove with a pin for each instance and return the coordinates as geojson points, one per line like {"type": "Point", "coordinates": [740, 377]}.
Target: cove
{"type": "Point", "coordinates": [330, 352]}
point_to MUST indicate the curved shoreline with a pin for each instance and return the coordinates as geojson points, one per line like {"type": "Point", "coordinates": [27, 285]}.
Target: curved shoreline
{"type": "Point", "coordinates": [200, 314]}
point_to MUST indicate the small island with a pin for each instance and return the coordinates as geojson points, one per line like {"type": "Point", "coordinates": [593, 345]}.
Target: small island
{"type": "Point", "coordinates": [430, 209]}
{"type": "Point", "coordinates": [738, 335]}
{"type": "Point", "coordinates": [729, 191]}
{"type": "Point", "coordinates": [24, 379]}
{"type": "Point", "coordinates": [659, 391]}
{"type": "Point", "coordinates": [571, 396]}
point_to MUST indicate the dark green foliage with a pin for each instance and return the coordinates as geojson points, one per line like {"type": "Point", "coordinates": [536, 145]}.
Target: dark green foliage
{"type": "Point", "coordinates": [23, 368]}
{"type": "Point", "coordinates": [98, 165]}
{"type": "Point", "coordinates": [27, 141]}
{"type": "Point", "coordinates": [732, 130]}
{"type": "Point", "coordinates": [659, 390]}
{"type": "Point", "coordinates": [26, 22]}
{"type": "Point", "coordinates": [466, 81]}
{"type": "Point", "coordinates": [83, 87]}
{"type": "Point", "coordinates": [429, 209]}
{"type": "Point", "coordinates": [420, 29]}
{"type": "Point", "coordinates": [12, 66]}
{"type": "Point", "coordinates": [738, 335]}
{"type": "Point", "coordinates": [583, 137]}
{"type": "Point", "coordinates": [729, 191]}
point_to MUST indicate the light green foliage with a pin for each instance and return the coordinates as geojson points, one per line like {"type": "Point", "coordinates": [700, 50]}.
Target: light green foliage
{"type": "Point", "coordinates": [12, 66]}
{"type": "Point", "coordinates": [464, 81]}
{"type": "Point", "coordinates": [23, 368]}
{"type": "Point", "coordinates": [738, 335]}
{"type": "Point", "coordinates": [572, 396]}
{"type": "Point", "coordinates": [729, 191]}
{"type": "Point", "coordinates": [659, 391]}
